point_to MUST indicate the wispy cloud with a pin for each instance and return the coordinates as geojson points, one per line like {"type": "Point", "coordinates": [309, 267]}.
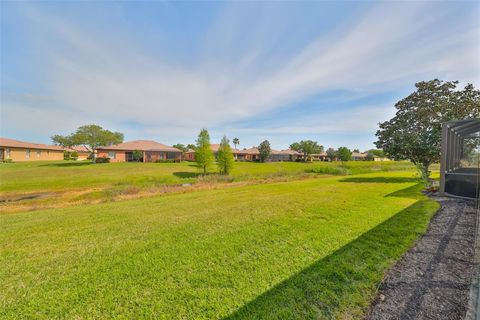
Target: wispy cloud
{"type": "Point", "coordinates": [115, 80]}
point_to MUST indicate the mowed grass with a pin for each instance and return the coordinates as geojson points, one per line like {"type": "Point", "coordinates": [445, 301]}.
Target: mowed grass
{"type": "Point", "coordinates": [67, 175]}
{"type": "Point", "coordinates": [307, 249]}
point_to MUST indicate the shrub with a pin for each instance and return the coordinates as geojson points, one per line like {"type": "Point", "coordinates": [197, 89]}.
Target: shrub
{"type": "Point", "coordinates": [74, 155]}
{"type": "Point", "coordinates": [8, 160]}
{"type": "Point", "coordinates": [137, 155]}
{"type": "Point", "coordinates": [165, 161]}
{"type": "Point", "coordinates": [214, 178]}
{"type": "Point", "coordinates": [102, 160]}
{"type": "Point", "coordinates": [66, 155]}
{"type": "Point", "coordinates": [340, 171]}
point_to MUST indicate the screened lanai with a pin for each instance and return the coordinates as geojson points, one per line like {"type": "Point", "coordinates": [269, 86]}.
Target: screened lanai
{"type": "Point", "coordinates": [460, 158]}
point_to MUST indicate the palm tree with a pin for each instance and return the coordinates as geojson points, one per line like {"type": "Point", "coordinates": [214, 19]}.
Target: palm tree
{"type": "Point", "coordinates": [236, 142]}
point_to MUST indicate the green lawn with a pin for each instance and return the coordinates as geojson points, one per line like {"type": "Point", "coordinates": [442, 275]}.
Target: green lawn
{"type": "Point", "coordinates": [305, 249]}
{"type": "Point", "coordinates": [65, 175]}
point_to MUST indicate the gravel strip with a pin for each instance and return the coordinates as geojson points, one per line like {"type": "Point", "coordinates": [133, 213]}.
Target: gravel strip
{"type": "Point", "coordinates": [432, 280]}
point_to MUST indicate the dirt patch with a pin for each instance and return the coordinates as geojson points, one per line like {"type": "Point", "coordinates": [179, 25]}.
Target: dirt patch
{"type": "Point", "coordinates": [74, 197]}
{"type": "Point", "coordinates": [22, 197]}
{"type": "Point", "coordinates": [432, 280]}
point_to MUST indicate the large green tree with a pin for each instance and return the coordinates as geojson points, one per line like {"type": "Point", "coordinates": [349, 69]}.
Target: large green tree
{"type": "Point", "coordinates": [331, 153]}
{"type": "Point", "coordinates": [181, 147]}
{"type": "Point", "coordinates": [307, 147]}
{"type": "Point", "coordinates": [344, 154]}
{"type": "Point", "coordinates": [91, 136]}
{"type": "Point", "coordinates": [63, 141]}
{"type": "Point", "coordinates": [203, 152]}
{"type": "Point", "coordinates": [191, 146]}
{"type": "Point", "coordinates": [295, 146]}
{"type": "Point", "coordinates": [265, 150]}
{"type": "Point", "coordinates": [414, 133]}
{"type": "Point", "coordinates": [225, 159]}
{"type": "Point", "coordinates": [377, 152]}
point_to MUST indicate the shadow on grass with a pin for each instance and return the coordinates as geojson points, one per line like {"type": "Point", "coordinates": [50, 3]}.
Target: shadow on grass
{"type": "Point", "coordinates": [342, 284]}
{"type": "Point", "coordinates": [380, 180]}
{"type": "Point", "coordinates": [68, 164]}
{"type": "Point", "coordinates": [185, 175]}
{"type": "Point", "coordinates": [413, 192]}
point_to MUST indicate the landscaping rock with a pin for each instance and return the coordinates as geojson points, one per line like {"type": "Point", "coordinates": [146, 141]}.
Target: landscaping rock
{"type": "Point", "coordinates": [432, 280]}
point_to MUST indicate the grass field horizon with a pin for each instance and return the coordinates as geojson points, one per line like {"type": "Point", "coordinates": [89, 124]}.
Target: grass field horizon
{"type": "Point", "coordinates": [64, 183]}
{"type": "Point", "coordinates": [296, 249]}
{"type": "Point", "coordinates": [55, 175]}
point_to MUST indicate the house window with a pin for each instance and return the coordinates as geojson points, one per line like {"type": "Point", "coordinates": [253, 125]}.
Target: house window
{"type": "Point", "coordinates": [112, 154]}
{"type": "Point", "coordinates": [7, 153]}
{"type": "Point", "coordinates": [39, 153]}
{"type": "Point", "coordinates": [27, 153]}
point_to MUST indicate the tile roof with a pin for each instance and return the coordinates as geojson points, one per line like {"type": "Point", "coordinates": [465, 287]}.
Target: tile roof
{"type": "Point", "coordinates": [5, 142]}
{"type": "Point", "coordinates": [359, 154]}
{"type": "Point", "coordinates": [78, 149]}
{"type": "Point", "coordinates": [291, 152]}
{"type": "Point", "coordinates": [214, 147]}
{"type": "Point", "coordinates": [322, 154]}
{"type": "Point", "coordinates": [142, 145]}
{"type": "Point", "coordinates": [251, 151]}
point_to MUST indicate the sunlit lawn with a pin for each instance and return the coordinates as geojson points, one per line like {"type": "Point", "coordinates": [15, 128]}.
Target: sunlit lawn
{"type": "Point", "coordinates": [65, 175]}
{"type": "Point", "coordinates": [305, 249]}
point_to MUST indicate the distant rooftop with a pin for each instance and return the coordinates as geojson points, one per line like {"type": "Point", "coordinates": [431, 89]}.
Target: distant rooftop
{"type": "Point", "coordinates": [12, 143]}
{"type": "Point", "coordinates": [142, 145]}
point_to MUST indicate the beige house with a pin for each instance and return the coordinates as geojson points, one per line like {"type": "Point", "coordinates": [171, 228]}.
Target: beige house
{"type": "Point", "coordinates": [359, 156]}
{"type": "Point", "coordinates": [28, 151]}
{"type": "Point", "coordinates": [82, 151]}
{"type": "Point", "coordinates": [150, 150]}
{"type": "Point", "coordinates": [320, 157]}
{"type": "Point", "coordinates": [252, 154]}
{"type": "Point", "coordinates": [239, 155]}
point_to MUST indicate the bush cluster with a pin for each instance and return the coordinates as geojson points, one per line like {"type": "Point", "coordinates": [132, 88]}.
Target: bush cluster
{"type": "Point", "coordinates": [340, 171]}
{"type": "Point", "coordinates": [102, 160]}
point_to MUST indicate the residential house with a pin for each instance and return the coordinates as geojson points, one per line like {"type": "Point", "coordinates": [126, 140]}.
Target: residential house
{"type": "Point", "coordinates": [28, 151]}
{"type": "Point", "coordinates": [359, 156]}
{"type": "Point", "coordinates": [151, 151]}
{"type": "Point", "coordinates": [82, 151]}
{"type": "Point", "coordinates": [285, 155]}
{"type": "Point", "coordinates": [189, 155]}
{"type": "Point", "coordinates": [238, 155]}
{"type": "Point", "coordinates": [320, 157]}
{"type": "Point", "coordinates": [252, 154]}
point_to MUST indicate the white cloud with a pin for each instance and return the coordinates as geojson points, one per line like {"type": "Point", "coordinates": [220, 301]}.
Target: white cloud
{"type": "Point", "coordinates": [114, 81]}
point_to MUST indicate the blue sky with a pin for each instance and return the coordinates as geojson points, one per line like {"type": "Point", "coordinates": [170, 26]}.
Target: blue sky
{"type": "Point", "coordinates": [282, 71]}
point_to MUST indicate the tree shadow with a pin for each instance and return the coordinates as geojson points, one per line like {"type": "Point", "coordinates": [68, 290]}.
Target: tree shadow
{"type": "Point", "coordinates": [337, 284]}
{"type": "Point", "coordinates": [413, 192]}
{"type": "Point", "coordinates": [380, 180]}
{"type": "Point", "coordinates": [186, 175]}
{"type": "Point", "coordinates": [68, 164]}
